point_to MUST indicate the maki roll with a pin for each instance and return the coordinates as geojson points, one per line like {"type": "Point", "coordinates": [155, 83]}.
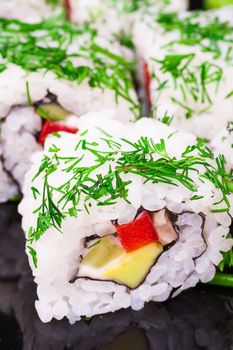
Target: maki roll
{"type": "Point", "coordinates": [51, 73]}
{"type": "Point", "coordinates": [120, 214]}
{"type": "Point", "coordinates": [117, 17]}
{"type": "Point", "coordinates": [186, 68]}
{"type": "Point", "coordinates": [57, 55]}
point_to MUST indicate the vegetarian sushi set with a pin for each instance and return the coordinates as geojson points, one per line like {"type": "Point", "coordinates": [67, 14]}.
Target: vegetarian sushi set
{"type": "Point", "coordinates": [116, 137]}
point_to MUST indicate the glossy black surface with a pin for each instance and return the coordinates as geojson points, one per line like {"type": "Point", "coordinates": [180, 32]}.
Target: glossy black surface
{"type": "Point", "coordinates": [196, 4]}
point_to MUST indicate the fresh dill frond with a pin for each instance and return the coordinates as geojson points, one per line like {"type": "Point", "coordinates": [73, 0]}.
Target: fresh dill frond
{"type": "Point", "coordinates": [33, 255]}
{"type": "Point", "coordinates": [190, 80]}
{"type": "Point", "coordinates": [54, 3]}
{"type": "Point", "coordinates": [193, 59]}
{"type": "Point", "coordinates": [227, 263]}
{"type": "Point", "coordinates": [193, 31]}
{"type": "Point", "coordinates": [130, 6]}
{"type": "Point", "coordinates": [146, 159]}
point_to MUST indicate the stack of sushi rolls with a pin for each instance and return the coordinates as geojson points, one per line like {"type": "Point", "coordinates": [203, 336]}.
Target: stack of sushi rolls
{"type": "Point", "coordinates": [51, 73]}
{"type": "Point", "coordinates": [187, 68]}
{"type": "Point", "coordinates": [118, 210]}
{"type": "Point", "coordinates": [123, 213]}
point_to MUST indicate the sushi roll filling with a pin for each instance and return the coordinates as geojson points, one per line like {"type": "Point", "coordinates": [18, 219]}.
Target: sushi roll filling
{"type": "Point", "coordinates": [127, 256]}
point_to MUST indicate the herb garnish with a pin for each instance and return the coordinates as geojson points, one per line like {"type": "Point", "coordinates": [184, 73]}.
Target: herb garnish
{"type": "Point", "coordinates": [227, 261]}
{"type": "Point", "coordinates": [129, 6]}
{"type": "Point", "coordinates": [197, 79]}
{"type": "Point", "coordinates": [193, 32]}
{"type": "Point", "coordinates": [146, 159]}
{"type": "Point", "coordinates": [57, 45]}
{"type": "Point", "coordinates": [193, 81]}
{"type": "Point", "coordinates": [53, 2]}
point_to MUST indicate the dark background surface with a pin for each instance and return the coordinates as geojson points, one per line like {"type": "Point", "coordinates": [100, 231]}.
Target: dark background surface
{"type": "Point", "coordinates": [201, 318]}
{"type": "Point", "coordinates": [196, 4]}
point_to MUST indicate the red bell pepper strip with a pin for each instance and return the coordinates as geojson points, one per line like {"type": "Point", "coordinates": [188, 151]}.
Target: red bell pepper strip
{"type": "Point", "coordinates": [49, 127]}
{"type": "Point", "coordinates": [138, 233]}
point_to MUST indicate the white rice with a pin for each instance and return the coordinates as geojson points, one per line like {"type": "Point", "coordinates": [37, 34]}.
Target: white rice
{"type": "Point", "coordinates": [112, 17]}
{"type": "Point", "coordinates": [30, 11]}
{"type": "Point", "coordinates": [193, 258]}
{"type": "Point", "coordinates": [19, 141]}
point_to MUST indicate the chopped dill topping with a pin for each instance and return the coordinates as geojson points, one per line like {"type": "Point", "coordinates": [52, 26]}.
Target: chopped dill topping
{"type": "Point", "coordinates": [230, 127]}
{"type": "Point", "coordinates": [227, 261]}
{"type": "Point", "coordinates": [126, 40]}
{"type": "Point", "coordinates": [28, 94]}
{"type": "Point", "coordinates": [57, 45]}
{"type": "Point", "coordinates": [193, 32]}
{"type": "Point", "coordinates": [53, 2]}
{"type": "Point", "coordinates": [146, 159]}
{"type": "Point", "coordinates": [194, 81]}
{"type": "Point", "coordinates": [230, 94]}
{"type": "Point", "coordinates": [33, 254]}
{"type": "Point", "coordinates": [198, 80]}
{"type": "Point", "coordinates": [129, 6]}
{"type": "Point", "coordinates": [165, 119]}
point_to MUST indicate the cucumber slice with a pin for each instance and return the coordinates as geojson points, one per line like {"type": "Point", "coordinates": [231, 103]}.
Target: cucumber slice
{"type": "Point", "coordinates": [102, 252]}
{"type": "Point", "coordinates": [52, 111]}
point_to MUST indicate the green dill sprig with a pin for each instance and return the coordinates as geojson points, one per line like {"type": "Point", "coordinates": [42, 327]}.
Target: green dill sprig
{"type": "Point", "coordinates": [200, 81]}
{"type": "Point", "coordinates": [226, 265]}
{"type": "Point", "coordinates": [33, 255]}
{"type": "Point", "coordinates": [227, 262]}
{"type": "Point", "coordinates": [130, 6]}
{"type": "Point", "coordinates": [194, 32]}
{"type": "Point", "coordinates": [55, 44]}
{"type": "Point", "coordinates": [194, 81]}
{"type": "Point", "coordinates": [54, 3]}
{"type": "Point", "coordinates": [146, 159]}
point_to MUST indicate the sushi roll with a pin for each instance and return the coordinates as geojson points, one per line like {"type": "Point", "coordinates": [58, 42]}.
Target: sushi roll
{"type": "Point", "coordinates": [60, 72]}
{"type": "Point", "coordinates": [120, 214]}
{"type": "Point", "coordinates": [117, 17]}
{"type": "Point", "coordinates": [186, 68]}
